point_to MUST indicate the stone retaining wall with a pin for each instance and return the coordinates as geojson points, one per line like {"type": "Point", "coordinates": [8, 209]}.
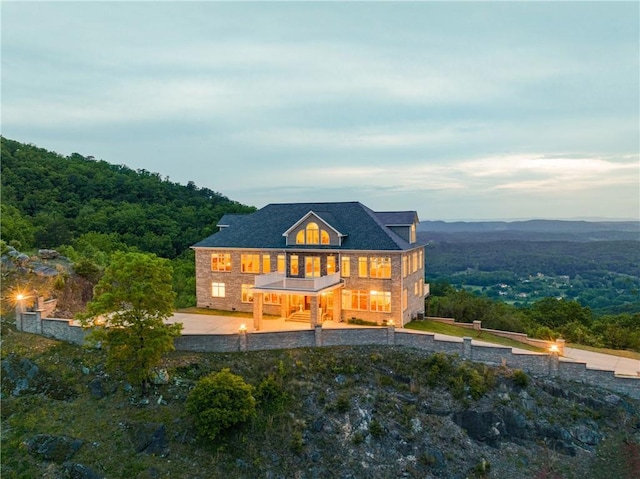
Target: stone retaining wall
{"type": "Point", "coordinates": [537, 364]}
{"type": "Point", "coordinates": [520, 337]}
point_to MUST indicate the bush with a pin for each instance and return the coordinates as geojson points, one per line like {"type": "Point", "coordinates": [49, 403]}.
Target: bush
{"type": "Point", "coordinates": [375, 429]}
{"type": "Point", "coordinates": [219, 402]}
{"type": "Point", "coordinates": [270, 395]}
{"type": "Point", "coordinates": [437, 368]}
{"type": "Point", "coordinates": [520, 378]}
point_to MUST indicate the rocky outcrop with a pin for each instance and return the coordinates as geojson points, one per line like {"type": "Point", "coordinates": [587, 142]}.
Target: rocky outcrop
{"type": "Point", "coordinates": [53, 448]}
{"type": "Point", "coordinates": [148, 438]}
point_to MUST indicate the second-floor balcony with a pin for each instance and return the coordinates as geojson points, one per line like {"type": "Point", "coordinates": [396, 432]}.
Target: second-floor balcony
{"type": "Point", "coordinates": [280, 281]}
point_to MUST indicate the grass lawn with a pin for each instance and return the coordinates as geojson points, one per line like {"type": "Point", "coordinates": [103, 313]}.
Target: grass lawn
{"type": "Point", "coordinates": [623, 353]}
{"type": "Point", "coordinates": [442, 328]}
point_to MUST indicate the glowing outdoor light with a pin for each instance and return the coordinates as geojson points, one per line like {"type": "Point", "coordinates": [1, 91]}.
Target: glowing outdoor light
{"type": "Point", "coordinates": [20, 297]}
{"type": "Point", "coordinates": [243, 328]}
{"type": "Point", "coordinates": [554, 348]}
{"type": "Point", "coordinates": [390, 322]}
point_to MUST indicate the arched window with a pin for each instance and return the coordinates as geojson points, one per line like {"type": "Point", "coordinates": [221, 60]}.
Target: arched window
{"type": "Point", "coordinates": [300, 237]}
{"type": "Point", "coordinates": [324, 237]}
{"type": "Point", "coordinates": [313, 233]}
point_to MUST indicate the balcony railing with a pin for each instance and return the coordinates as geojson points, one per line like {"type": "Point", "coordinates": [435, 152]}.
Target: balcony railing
{"type": "Point", "coordinates": [281, 281]}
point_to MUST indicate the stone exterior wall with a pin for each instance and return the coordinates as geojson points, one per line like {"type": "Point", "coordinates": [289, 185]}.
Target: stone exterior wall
{"type": "Point", "coordinates": [537, 364]}
{"type": "Point", "coordinates": [396, 284]}
{"type": "Point", "coordinates": [234, 280]}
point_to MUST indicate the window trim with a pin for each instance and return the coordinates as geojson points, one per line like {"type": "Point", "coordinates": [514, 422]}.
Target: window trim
{"type": "Point", "coordinates": [244, 263]}
{"type": "Point", "coordinates": [225, 259]}
{"type": "Point", "coordinates": [219, 288]}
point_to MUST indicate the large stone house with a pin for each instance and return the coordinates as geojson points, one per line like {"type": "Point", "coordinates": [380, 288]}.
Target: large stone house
{"type": "Point", "coordinates": [314, 262]}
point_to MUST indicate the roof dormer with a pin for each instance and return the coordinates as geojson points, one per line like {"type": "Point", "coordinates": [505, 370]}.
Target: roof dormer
{"type": "Point", "coordinates": [313, 230]}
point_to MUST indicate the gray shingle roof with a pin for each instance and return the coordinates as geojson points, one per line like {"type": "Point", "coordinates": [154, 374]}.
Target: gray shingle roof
{"type": "Point", "coordinates": [397, 218]}
{"type": "Point", "coordinates": [230, 219]}
{"type": "Point", "coordinates": [364, 229]}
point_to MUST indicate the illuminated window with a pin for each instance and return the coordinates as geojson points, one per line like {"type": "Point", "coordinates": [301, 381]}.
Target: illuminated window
{"type": "Point", "coordinates": [266, 263]}
{"type": "Point", "coordinates": [331, 264]}
{"type": "Point", "coordinates": [420, 258]}
{"type": "Point", "coordinates": [250, 263]}
{"type": "Point", "coordinates": [281, 263]}
{"type": "Point", "coordinates": [272, 298]}
{"type": "Point", "coordinates": [345, 267]}
{"type": "Point", "coordinates": [362, 267]}
{"type": "Point", "coordinates": [313, 233]}
{"type": "Point", "coordinates": [293, 265]}
{"type": "Point", "coordinates": [404, 266]}
{"type": "Point", "coordinates": [414, 258]}
{"type": "Point", "coordinates": [415, 288]}
{"type": "Point", "coordinates": [312, 267]}
{"type": "Point", "coordinates": [421, 287]}
{"type": "Point", "coordinates": [380, 301]}
{"type": "Point", "coordinates": [380, 267]}
{"type": "Point", "coordinates": [356, 300]}
{"type": "Point", "coordinates": [247, 293]}
{"type": "Point", "coordinates": [221, 262]}
{"type": "Point", "coordinates": [217, 290]}
{"type": "Point", "coordinates": [413, 234]}
{"type": "Point", "coordinates": [405, 298]}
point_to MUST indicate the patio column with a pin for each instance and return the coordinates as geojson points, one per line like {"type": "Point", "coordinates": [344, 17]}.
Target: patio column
{"type": "Point", "coordinates": [337, 305]}
{"type": "Point", "coordinates": [257, 311]}
{"type": "Point", "coordinates": [284, 307]}
{"type": "Point", "coordinates": [314, 311]}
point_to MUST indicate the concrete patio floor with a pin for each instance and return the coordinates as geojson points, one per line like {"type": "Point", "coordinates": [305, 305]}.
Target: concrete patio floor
{"type": "Point", "coordinates": [210, 324]}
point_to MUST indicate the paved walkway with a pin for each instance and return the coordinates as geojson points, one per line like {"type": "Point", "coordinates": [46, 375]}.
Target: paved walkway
{"type": "Point", "coordinates": [210, 324]}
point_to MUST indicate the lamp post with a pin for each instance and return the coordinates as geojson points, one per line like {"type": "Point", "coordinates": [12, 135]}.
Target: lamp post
{"type": "Point", "coordinates": [242, 331]}
{"type": "Point", "coordinates": [19, 310]}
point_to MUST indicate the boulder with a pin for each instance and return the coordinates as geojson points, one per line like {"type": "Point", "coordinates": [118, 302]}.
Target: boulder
{"type": "Point", "coordinates": [586, 435]}
{"type": "Point", "coordinates": [48, 254]}
{"type": "Point", "coordinates": [53, 448]}
{"type": "Point", "coordinates": [148, 438]}
{"type": "Point", "coordinates": [159, 376]}
{"type": "Point", "coordinates": [19, 374]}
{"type": "Point", "coordinates": [72, 470]}
{"type": "Point", "coordinates": [486, 426]}
{"type": "Point", "coordinates": [96, 388]}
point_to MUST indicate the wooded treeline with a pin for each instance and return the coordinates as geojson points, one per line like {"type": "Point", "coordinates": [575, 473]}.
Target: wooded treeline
{"type": "Point", "coordinates": [49, 200]}
{"type": "Point", "coordinates": [547, 318]}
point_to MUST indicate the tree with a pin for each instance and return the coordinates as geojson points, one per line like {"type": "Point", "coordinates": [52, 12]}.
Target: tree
{"type": "Point", "coordinates": [220, 401]}
{"type": "Point", "coordinates": [131, 302]}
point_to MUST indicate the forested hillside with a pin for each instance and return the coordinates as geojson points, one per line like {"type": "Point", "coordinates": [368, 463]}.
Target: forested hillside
{"type": "Point", "coordinates": [601, 274]}
{"type": "Point", "coordinates": [49, 200]}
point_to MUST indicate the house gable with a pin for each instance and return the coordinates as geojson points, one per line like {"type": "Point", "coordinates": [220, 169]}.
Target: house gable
{"type": "Point", "coordinates": [312, 229]}
{"type": "Point", "coordinates": [403, 223]}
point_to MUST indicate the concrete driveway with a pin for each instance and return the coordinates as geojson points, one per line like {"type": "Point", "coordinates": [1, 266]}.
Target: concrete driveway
{"type": "Point", "coordinates": [210, 324]}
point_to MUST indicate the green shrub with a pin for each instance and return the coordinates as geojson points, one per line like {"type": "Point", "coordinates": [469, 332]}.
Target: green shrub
{"type": "Point", "coordinates": [343, 403]}
{"type": "Point", "coordinates": [375, 429]}
{"type": "Point", "coordinates": [520, 378]}
{"type": "Point", "coordinates": [270, 395]}
{"type": "Point", "coordinates": [437, 368]}
{"type": "Point", "coordinates": [362, 322]}
{"type": "Point", "coordinates": [219, 402]}
{"type": "Point", "coordinates": [297, 442]}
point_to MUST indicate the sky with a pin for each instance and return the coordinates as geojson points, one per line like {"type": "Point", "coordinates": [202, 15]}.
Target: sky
{"type": "Point", "coordinates": [457, 110]}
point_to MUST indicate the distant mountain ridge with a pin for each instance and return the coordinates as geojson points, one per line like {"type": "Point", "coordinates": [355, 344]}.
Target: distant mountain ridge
{"type": "Point", "coordinates": [529, 230]}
